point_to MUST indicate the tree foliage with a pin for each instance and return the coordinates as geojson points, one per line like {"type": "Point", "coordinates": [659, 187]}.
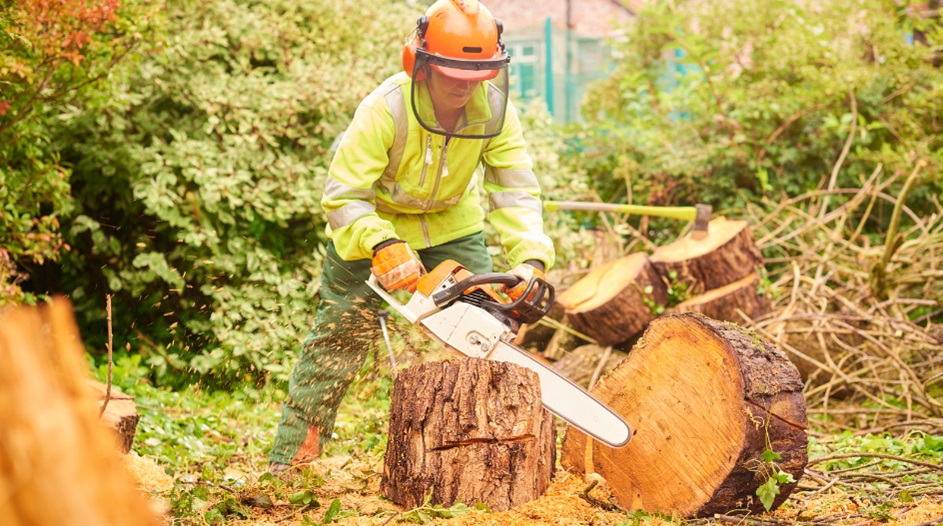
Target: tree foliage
{"type": "Point", "coordinates": [52, 53]}
{"type": "Point", "coordinates": [727, 102]}
{"type": "Point", "coordinates": [197, 180]}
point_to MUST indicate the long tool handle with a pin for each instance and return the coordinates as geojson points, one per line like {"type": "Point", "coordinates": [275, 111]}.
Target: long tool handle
{"type": "Point", "coordinates": [685, 213]}
{"type": "Point", "coordinates": [384, 315]}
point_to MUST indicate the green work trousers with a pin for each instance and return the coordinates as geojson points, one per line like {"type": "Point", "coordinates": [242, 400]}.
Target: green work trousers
{"type": "Point", "coordinates": [345, 327]}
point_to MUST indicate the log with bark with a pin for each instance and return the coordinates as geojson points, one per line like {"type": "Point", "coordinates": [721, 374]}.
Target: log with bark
{"type": "Point", "coordinates": [121, 415]}
{"type": "Point", "coordinates": [615, 302]}
{"type": "Point", "coordinates": [58, 464]}
{"type": "Point", "coordinates": [705, 399]}
{"type": "Point", "coordinates": [728, 302]}
{"type": "Point", "coordinates": [468, 430]}
{"type": "Point", "coordinates": [727, 254]}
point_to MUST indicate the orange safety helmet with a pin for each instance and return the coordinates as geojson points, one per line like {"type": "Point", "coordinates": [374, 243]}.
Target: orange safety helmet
{"type": "Point", "coordinates": [461, 39]}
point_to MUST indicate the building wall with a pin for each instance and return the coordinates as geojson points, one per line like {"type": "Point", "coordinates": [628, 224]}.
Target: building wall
{"type": "Point", "coordinates": [579, 53]}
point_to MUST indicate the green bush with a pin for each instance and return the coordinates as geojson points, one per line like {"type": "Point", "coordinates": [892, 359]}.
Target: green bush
{"type": "Point", "coordinates": [736, 101]}
{"type": "Point", "coordinates": [52, 55]}
{"type": "Point", "coordinates": [197, 180]}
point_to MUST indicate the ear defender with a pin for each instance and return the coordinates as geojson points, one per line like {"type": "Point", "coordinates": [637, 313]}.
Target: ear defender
{"type": "Point", "coordinates": [500, 25]}
{"type": "Point", "coordinates": [416, 39]}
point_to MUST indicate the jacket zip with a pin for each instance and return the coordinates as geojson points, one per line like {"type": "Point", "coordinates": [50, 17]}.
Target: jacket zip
{"type": "Point", "coordinates": [441, 172]}
{"type": "Point", "coordinates": [428, 160]}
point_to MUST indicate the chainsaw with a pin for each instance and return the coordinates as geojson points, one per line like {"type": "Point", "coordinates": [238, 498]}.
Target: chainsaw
{"type": "Point", "coordinates": [463, 312]}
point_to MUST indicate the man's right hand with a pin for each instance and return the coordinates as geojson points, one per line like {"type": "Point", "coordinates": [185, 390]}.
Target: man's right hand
{"type": "Point", "coordinates": [396, 266]}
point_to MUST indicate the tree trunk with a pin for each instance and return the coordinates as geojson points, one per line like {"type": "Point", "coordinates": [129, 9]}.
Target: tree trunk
{"type": "Point", "coordinates": [58, 464]}
{"type": "Point", "coordinates": [121, 415]}
{"type": "Point", "coordinates": [468, 430]}
{"type": "Point", "coordinates": [615, 302]}
{"type": "Point", "coordinates": [705, 399]}
{"type": "Point", "coordinates": [727, 302]}
{"type": "Point", "coordinates": [727, 254]}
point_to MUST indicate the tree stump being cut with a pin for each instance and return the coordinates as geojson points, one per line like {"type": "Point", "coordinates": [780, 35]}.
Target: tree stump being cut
{"type": "Point", "coordinates": [58, 464]}
{"type": "Point", "coordinates": [614, 303]}
{"type": "Point", "coordinates": [727, 302]}
{"type": "Point", "coordinates": [705, 399]}
{"type": "Point", "coordinates": [727, 254]}
{"type": "Point", "coordinates": [468, 430]}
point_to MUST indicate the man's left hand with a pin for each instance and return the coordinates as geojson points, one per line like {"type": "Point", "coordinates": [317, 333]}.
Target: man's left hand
{"type": "Point", "coordinates": [527, 271]}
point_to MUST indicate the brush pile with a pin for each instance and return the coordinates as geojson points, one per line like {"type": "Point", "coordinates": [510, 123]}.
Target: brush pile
{"type": "Point", "coordinates": [862, 321]}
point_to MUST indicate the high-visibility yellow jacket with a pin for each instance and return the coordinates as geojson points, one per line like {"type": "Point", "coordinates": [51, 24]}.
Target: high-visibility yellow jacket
{"type": "Point", "coordinates": [391, 178]}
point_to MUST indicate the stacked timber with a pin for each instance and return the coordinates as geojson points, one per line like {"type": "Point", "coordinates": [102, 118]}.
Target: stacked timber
{"type": "Point", "coordinates": [728, 301]}
{"type": "Point", "coordinates": [717, 270]}
{"type": "Point", "coordinates": [615, 302]}
{"type": "Point", "coordinates": [58, 464]}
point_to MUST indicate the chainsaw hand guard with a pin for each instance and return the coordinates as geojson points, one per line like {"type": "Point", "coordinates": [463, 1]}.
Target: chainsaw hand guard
{"type": "Point", "coordinates": [533, 304]}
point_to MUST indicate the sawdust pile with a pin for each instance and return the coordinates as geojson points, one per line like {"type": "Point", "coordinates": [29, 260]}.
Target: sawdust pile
{"type": "Point", "coordinates": [561, 505]}
{"type": "Point", "coordinates": [149, 476]}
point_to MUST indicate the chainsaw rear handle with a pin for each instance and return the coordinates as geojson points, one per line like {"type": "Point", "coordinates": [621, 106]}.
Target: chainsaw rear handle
{"type": "Point", "coordinates": [533, 304]}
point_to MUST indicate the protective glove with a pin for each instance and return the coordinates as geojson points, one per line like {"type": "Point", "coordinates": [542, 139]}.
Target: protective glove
{"type": "Point", "coordinates": [396, 266]}
{"type": "Point", "coordinates": [527, 271]}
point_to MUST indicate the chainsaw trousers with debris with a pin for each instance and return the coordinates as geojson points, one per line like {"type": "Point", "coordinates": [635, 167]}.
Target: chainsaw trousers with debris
{"type": "Point", "coordinates": [345, 328]}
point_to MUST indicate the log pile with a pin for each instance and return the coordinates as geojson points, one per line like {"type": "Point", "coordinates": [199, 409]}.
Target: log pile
{"type": "Point", "coordinates": [616, 301]}
{"type": "Point", "coordinates": [727, 254]}
{"type": "Point", "coordinates": [468, 430]}
{"type": "Point", "coordinates": [58, 464]}
{"type": "Point", "coordinates": [716, 274]}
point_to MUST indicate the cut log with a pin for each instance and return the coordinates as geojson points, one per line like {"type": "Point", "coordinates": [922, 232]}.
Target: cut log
{"type": "Point", "coordinates": [468, 430]}
{"type": "Point", "coordinates": [727, 254]}
{"type": "Point", "coordinates": [121, 414]}
{"type": "Point", "coordinates": [58, 464]}
{"type": "Point", "coordinates": [705, 399]}
{"type": "Point", "coordinates": [727, 302]}
{"type": "Point", "coordinates": [615, 302]}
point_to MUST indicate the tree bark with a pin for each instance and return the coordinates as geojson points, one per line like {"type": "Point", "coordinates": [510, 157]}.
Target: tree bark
{"type": "Point", "coordinates": [705, 400]}
{"type": "Point", "coordinates": [727, 302]}
{"type": "Point", "coordinates": [468, 430]}
{"type": "Point", "coordinates": [121, 415]}
{"type": "Point", "coordinates": [727, 254]}
{"type": "Point", "coordinates": [615, 302]}
{"type": "Point", "coordinates": [58, 464]}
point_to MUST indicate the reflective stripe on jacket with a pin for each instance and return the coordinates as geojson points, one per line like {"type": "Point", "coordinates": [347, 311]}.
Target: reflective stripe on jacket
{"type": "Point", "coordinates": [390, 178]}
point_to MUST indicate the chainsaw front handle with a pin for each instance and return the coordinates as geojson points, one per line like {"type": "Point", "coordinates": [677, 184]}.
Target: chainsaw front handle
{"type": "Point", "coordinates": [533, 304]}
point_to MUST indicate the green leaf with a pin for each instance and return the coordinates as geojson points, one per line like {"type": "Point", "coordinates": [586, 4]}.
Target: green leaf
{"type": "Point", "coordinates": [459, 509]}
{"type": "Point", "coordinates": [214, 516]}
{"type": "Point", "coordinates": [332, 511]}
{"type": "Point", "coordinates": [782, 477]}
{"type": "Point", "coordinates": [302, 497]}
{"type": "Point", "coordinates": [767, 492]}
{"type": "Point", "coordinates": [770, 456]}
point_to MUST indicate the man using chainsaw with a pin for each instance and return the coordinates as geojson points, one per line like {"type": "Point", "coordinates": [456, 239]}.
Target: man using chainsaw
{"type": "Point", "coordinates": [403, 194]}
